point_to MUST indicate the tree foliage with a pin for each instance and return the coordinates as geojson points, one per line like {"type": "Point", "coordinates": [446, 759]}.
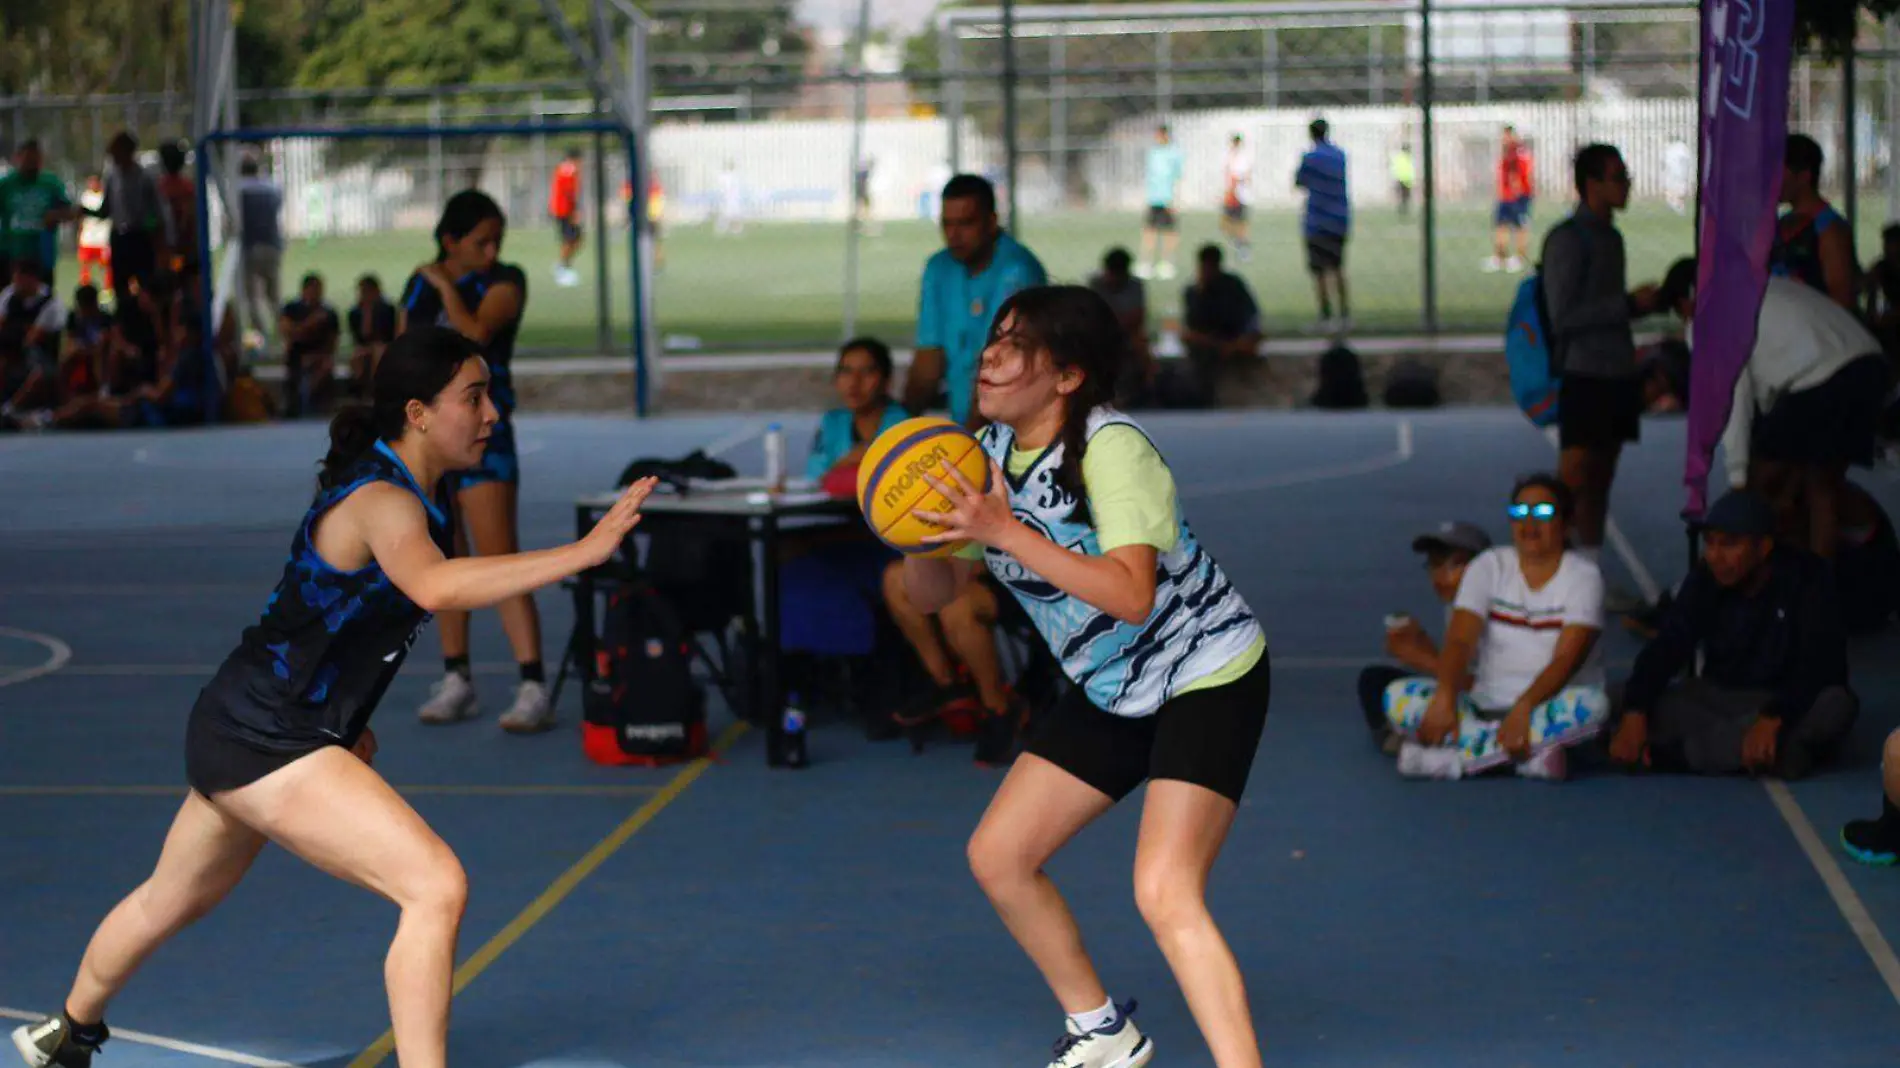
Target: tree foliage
{"type": "Point", "coordinates": [1828, 26]}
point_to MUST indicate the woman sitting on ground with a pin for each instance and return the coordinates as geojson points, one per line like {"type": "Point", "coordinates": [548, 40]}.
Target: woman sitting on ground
{"type": "Point", "coordinates": [1531, 614]}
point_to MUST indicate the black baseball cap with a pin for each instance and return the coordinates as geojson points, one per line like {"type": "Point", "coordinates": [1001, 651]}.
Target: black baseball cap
{"type": "Point", "coordinates": [1743, 514]}
{"type": "Point", "coordinates": [1452, 534]}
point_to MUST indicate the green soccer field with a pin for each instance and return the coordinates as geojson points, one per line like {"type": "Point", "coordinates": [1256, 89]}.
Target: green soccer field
{"type": "Point", "coordinates": [781, 286]}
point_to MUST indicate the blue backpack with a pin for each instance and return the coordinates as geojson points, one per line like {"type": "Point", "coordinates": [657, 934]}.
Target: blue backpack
{"type": "Point", "coordinates": [1535, 378]}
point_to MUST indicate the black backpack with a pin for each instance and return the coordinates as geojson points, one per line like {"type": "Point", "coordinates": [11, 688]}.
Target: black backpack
{"type": "Point", "coordinates": [1342, 385]}
{"type": "Point", "coordinates": [643, 705]}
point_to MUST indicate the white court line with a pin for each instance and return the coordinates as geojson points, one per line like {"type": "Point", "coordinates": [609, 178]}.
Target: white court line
{"type": "Point", "coordinates": [1401, 453]}
{"type": "Point", "coordinates": [1845, 899]}
{"type": "Point", "coordinates": [176, 1046]}
{"type": "Point", "coordinates": [58, 653]}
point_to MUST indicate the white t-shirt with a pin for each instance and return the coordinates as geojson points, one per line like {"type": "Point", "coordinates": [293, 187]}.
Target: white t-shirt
{"type": "Point", "coordinates": [1521, 625]}
{"type": "Point", "coordinates": [1239, 173]}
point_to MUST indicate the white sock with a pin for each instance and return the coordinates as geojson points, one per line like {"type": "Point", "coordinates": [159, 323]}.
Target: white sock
{"type": "Point", "coordinates": [1095, 1021]}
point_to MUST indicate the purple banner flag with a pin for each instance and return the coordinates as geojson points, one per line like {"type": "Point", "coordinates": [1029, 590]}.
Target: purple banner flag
{"type": "Point", "coordinates": [1746, 55]}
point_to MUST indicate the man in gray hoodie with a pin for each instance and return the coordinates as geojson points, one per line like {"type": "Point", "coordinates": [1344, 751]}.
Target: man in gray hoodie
{"type": "Point", "coordinates": [1600, 404]}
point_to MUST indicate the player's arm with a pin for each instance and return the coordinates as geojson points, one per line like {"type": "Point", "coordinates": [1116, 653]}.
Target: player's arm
{"type": "Point", "coordinates": [386, 523]}
{"type": "Point", "coordinates": [499, 307]}
{"type": "Point", "coordinates": [1837, 265]}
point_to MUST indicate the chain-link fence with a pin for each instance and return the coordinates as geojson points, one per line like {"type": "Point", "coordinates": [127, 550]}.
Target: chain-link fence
{"type": "Point", "coordinates": [795, 201]}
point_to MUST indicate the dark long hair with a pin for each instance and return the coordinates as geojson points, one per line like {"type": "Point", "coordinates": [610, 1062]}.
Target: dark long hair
{"type": "Point", "coordinates": [417, 366]}
{"type": "Point", "coordinates": [1072, 328]}
{"type": "Point", "coordinates": [462, 214]}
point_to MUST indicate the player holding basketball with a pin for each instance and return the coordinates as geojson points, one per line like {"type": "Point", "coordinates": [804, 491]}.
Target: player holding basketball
{"type": "Point", "coordinates": [279, 746]}
{"type": "Point", "coordinates": [1083, 526]}
{"type": "Point", "coordinates": [469, 289]}
{"type": "Point", "coordinates": [564, 204]}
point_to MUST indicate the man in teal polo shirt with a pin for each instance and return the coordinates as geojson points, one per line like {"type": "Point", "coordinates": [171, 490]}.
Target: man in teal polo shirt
{"type": "Point", "coordinates": [979, 268]}
{"type": "Point", "coordinates": [32, 205]}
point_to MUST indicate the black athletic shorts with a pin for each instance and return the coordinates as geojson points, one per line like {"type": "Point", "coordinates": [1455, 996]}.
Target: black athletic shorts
{"type": "Point", "coordinates": [1834, 424]}
{"type": "Point", "coordinates": [1205, 737]}
{"type": "Point", "coordinates": [1325, 252]}
{"type": "Point", "coordinates": [569, 226]}
{"type": "Point", "coordinates": [216, 762]}
{"type": "Point", "coordinates": [1161, 217]}
{"type": "Point", "coordinates": [1599, 413]}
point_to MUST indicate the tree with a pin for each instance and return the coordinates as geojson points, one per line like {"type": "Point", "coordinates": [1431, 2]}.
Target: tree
{"type": "Point", "coordinates": [1828, 26]}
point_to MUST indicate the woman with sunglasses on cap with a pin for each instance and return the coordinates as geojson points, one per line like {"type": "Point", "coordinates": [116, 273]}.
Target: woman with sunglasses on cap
{"type": "Point", "coordinates": [1530, 614]}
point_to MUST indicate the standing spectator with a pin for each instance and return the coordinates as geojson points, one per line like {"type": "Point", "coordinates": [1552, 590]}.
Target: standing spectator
{"type": "Point", "coordinates": [95, 234]}
{"type": "Point", "coordinates": [179, 193]}
{"type": "Point", "coordinates": [137, 215]}
{"type": "Point", "coordinates": [1772, 695]}
{"type": "Point", "coordinates": [372, 328]}
{"type": "Point", "coordinates": [33, 204]}
{"type": "Point", "coordinates": [1404, 176]}
{"type": "Point", "coordinates": [1221, 323]}
{"type": "Point", "coordinates": [564, 205]}
{"type": "Point", "coordinates": [1813, 243]}
{"type": "Point", "coordinates": [1128, 298]}
{"type": "Point", "coordinates": [979, 267]}
{"type": "Point", "coordinates": [261, 236]}
{"type": "Point", "coordinates": [308, 327]}
{"type": "Point", "coordinates": [1516, 187]}
{"type": "Point", "coordinates": [1161, 228]}
{"type": "Point", "coordinates": [1237, 178]}
{"type": "Point", "coordinates": [1806, 405]}
{"type": "Point", "coordinates": [1327, 224]}
{"type": "Point", "coordinates": [1600, 401]}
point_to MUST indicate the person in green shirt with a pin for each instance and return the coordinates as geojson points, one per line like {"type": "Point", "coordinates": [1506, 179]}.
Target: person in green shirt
{"type": "Point", "coordinates": [33, 204]}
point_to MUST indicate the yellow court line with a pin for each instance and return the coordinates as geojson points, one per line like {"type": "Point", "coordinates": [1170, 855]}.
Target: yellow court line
{"type": "Point", "coordinates": [452, 790]}
{"type": "Point", "coordinates": [378, 1051]}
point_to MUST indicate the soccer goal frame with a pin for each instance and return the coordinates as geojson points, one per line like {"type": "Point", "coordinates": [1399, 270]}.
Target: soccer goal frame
{"type": "Point", "coordinates": [636, 340]}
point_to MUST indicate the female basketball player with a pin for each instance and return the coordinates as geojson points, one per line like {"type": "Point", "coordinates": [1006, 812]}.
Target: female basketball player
{"type": "Point", "coordinates": [468, 289]}
{"type": "Point", "coordinates": [279, 747]}
{"type": "Point", "coordinates": [1170, 669]}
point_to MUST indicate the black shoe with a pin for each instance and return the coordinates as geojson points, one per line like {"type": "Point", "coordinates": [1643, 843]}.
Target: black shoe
{"type": "Point", "coordinates": [914, 717]}
{"type": "Point", "coordinates": [51, 1043]}
{"type": "Point", "coordinates": [1872, 842]}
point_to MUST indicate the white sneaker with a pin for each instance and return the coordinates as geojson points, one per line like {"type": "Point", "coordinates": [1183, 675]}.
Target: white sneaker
{"type": "Point", "coordinates": [450, 701]}
{"type": "Point", "coordinates": [1118, 1045]}
{"type": "Point", "coordinates": [1513, 265]}
{"type": "Point", "coordinates": [1430, 762]}
{"type": "Point", "coordinates": [1144, 271]}
{"type": "Point", "coordinates": [1551, 765]}
{"type": "Point", "coordinates": [1164, 270]}
{"type": "Point", "coordinates": [532, 713]}
{"type": "Point", "coordinates": [1493, 265]}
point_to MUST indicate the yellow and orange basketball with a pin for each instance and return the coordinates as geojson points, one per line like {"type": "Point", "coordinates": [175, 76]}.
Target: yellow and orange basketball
{"type": "Point", "coordinates": [891, 481]}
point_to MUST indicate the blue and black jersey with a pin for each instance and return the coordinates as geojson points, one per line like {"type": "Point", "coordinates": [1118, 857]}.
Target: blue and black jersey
{"type": "Point", "coordinates": [424, 307]}
{"type": "Point", "coordinates": [312, 669]}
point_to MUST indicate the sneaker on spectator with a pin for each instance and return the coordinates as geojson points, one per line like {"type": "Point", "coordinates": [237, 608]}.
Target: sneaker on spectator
{"type": "Point", "coordinates": [1418, 761]}
{"type": "Point", "coordinates": [1117, 1045]}
{"type": "Point", "coordinates": [1871, 842]}
{"type": "Point", "coordinates": [1513, 265]}
{"type": "Point", "coordinates": [1551, 765]}
{"type": "Point", "coordinates": [996, 738]}
{"type": "Point", "coordinates": [450, 701]}
{"type": "Point", "coordinates": [531, 713]}
{"type": "Point", "coordinates": [1165, 270]}
{"type": "Point", "coordinates": [1492, 265]}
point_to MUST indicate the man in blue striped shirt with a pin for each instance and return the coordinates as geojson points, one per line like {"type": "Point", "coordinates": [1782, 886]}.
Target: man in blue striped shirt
{"type": "Point", "coordinates": [1328, 223]}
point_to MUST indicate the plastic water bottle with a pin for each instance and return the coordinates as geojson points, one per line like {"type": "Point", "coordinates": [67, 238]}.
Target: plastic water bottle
{"type": "Point", "coordinates": [775, 458]}
{"type": "Point", "coordinates": [790, 750]}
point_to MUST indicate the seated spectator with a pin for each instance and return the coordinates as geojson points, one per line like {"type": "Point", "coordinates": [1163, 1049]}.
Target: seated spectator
{"type": "Point", "coordinates": [863, 381]}
{"type": "Point", "coordinates": [171, 396]}
{"type": "Point", "coordinates": [32, 320]}
{"type": "Point", "coordinates": [1665, 373]}
{"type": "Point", "coordinates": [1877, 841]}
{"type": "Point", "coordinates": [1773, 694]}
{"type": "Point", "coordinates": [1125, 294]}
{"type": "Point", "coordinates": [1866, 562]}
{"type": "Point", "coordinates": [1220, 323]}
{"type": "Point", "coordinates": [1806, 406]}
{"type": "Point", "coordinates": [1448, 551]}
{"type": "Point", "coordinates": [957, 647]}
{"type": "Point", "coordinates": [309, 329]}
{"type": "Point", "coordinates": [1530, 613]}
{"type": "Point", "coordinates": [830, 579]}
{"type": "Point", "coordinates": [372, 328]}
{"type": "Point", "coordinates": [93, 346]}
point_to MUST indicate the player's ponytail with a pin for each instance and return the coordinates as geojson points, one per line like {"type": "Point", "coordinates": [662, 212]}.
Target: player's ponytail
{"type": "Point", "coordinates": [461, 215]}
{"type": "Point", "coordinates": [417, 366]}
{"type": "Point", "coordinates": [1074, 329]}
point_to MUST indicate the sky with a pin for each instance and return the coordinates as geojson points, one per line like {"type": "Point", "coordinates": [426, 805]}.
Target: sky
{"type": "Point", "coordinates": [907, 15]}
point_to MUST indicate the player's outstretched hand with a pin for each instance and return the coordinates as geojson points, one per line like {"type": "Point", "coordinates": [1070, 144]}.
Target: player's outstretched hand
{"type": "Point", "coordinates": [612, 529]}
